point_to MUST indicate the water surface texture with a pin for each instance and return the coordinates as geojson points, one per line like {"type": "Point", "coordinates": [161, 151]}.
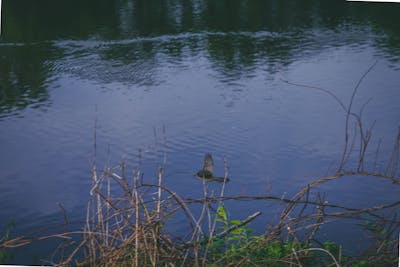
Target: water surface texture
{"type": "Point", "coordinates": [189, 77]}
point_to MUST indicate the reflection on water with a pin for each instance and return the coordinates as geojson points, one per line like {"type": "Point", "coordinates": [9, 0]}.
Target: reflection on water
{"type": "Point", "coordinates": [211, 73]}
{"type": "Point", "coordinates": [23, 74]}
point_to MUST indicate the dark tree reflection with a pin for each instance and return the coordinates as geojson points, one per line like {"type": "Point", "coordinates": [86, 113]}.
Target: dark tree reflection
{"type": "Point", "coordinates": [235, 35]}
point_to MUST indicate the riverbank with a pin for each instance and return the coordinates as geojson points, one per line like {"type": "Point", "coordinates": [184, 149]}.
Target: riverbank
{"type": "Point", "coordinates": [128, 224]}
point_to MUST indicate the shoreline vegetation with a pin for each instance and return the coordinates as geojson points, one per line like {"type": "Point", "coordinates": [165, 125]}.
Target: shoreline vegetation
{"type": "Point", "coordinates": [131, 228]}
{"type": "Point", "coordinates": [127, 218]}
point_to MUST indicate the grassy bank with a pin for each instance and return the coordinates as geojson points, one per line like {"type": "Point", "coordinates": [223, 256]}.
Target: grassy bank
{"type": "Point", "coordinates": [130, 228]}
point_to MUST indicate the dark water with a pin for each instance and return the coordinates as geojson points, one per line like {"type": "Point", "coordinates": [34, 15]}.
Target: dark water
{"type": "Point", "coordinates": [190, 77]}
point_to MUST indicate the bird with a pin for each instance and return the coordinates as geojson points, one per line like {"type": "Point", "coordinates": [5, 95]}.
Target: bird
{"type": "Point", "coordinates": [207, 173]}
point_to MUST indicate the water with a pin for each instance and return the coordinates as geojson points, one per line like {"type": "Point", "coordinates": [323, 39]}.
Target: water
{"type": "Point", "coordinates": [189, 77]}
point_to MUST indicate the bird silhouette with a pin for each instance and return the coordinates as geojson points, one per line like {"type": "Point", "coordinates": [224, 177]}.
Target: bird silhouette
{"type": "Point", "coordinates": [207, 173]}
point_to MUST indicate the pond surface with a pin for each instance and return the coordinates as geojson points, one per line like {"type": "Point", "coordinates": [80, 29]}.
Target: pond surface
{"type": "Point", "coordinates": [189, 77]}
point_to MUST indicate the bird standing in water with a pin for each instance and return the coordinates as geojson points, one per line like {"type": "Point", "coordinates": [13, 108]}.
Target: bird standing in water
{"type": "Point", "coordinates": [207, 173]}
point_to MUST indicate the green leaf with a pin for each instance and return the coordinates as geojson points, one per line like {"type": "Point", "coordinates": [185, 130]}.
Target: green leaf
{"type": "Point", "coordinates": [237, 231]}
{"type": "Point", "coordinates": [222, 215]}
{"type": "Point", "coordinates": [235, 222]}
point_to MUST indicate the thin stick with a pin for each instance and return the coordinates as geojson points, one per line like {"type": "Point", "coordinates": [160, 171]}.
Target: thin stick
{"type": "Point", "coordinates": [342, 161]}
{"type": "Point", "coordinates": [297, 258]}
{"type": "Point", "coordinates": [157, 230]}
{"type": "Point", "coordinates": [337, 99]}
{"type": "Point", "coordinates": [214, 224]}
{"type": "Point", "coordinates": [323, 250]}
{"type": "Point", "coordinates": [394, 158]}
{"type": "Point", "coordinates": [137, 218]}
{"type": "Point", "coordinates": [233, 227]}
